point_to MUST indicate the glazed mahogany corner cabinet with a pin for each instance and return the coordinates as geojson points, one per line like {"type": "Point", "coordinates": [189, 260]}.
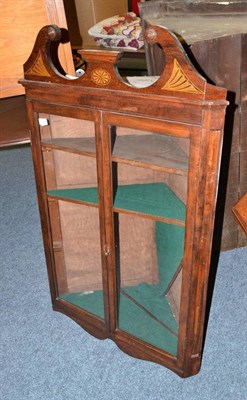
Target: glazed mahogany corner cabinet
{"type": "Point", "coordinates": [127, 181]}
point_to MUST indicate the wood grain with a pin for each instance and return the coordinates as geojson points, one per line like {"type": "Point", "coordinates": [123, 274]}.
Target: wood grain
{"type": "Point", "coordinates": [20, 23]}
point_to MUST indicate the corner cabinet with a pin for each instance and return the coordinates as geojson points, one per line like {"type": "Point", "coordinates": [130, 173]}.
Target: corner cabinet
{"type": "Point", "coordinates": [127, 181]}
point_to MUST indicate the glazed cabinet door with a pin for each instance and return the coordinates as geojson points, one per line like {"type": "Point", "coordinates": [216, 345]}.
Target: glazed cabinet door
{"type": "Point", "coordinates": [147, 163]}
{"type": "Point", "coordinates": [65, 148]}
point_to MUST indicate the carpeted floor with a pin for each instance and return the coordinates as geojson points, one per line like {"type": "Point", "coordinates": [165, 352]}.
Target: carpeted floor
{"type": "Point", "coordinates": [46, 356]}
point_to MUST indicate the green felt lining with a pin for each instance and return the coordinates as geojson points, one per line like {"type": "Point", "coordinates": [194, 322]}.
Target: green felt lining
{"type": "Point", "coordinates": [154, 199]}
{"type": "Point", "coordinates": [139, 324]}
{"type": "Point", "coordinates": [90, 301]}
{"type": "Point", "coordinates": [150, 198]}
{"type": "Point", "coordinates": [88, 195]}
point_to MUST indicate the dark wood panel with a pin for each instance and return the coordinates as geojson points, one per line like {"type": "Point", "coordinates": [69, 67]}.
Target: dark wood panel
{"type": "Point", "coordinates": [15, 130]}
{"type": "Point", "coordinates": [157, 8]}
{"type": "Point", "coordinates": [214, 58]}
{"type": "Point", "coordinates": [217, 64]}
{"type": "Point", "coordinates": [243, 130]}
{"type": "Point", "coordinates": [223, 61]}
{"type": "Point", "coordinates": [230, 225]}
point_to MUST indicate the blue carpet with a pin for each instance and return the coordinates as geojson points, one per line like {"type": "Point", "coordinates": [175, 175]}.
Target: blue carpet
{"type": "Point", "coordinates": [45, 355]}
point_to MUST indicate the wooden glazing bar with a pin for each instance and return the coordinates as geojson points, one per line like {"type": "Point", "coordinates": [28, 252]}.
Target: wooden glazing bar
{"type": "Point", "coordinates": [151, 125]}
{"type": "Point", "coordinates": [57, 241]}
{"type": "Point", "coordinates": [64, 110]}
{"type": "Point", "coordinates": [109, 246]}
{"type": "Point", "coordinates": [102, 222]}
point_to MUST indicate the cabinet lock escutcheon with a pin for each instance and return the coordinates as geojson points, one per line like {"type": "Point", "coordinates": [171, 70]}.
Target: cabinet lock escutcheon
{"type": "Point", "coordinates": [107, 250]}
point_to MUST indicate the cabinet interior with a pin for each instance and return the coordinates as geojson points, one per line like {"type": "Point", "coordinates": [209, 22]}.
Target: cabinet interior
{"type": "Point", "coordinates": [149, 173]}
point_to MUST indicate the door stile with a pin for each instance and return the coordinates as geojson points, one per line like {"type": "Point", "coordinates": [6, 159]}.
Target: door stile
{"type": "Point", "coordinates": [41, 197]}
{"type": "Point", "coordinates": [109, 249]}
{"type": "Point", "coordinates": [102, 185]}
{"type": "Point", "coordinates": [54, 212]}
{"type": "Point", "coordinates": [191, 238]}
{"type": "Point", "coordinates": [196, 271]}
{"type": "Point", "coordinates": [213, 143]}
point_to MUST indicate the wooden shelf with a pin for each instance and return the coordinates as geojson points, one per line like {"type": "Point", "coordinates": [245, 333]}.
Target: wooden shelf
{"type": "Point", "coordinates": [151, 200]}
{"type": "Point", "coordinates": [153, 151]}
{"type": "Point", "coordinates": [86, 196]}
{"type": "Point", "coordinates": [83, 146]}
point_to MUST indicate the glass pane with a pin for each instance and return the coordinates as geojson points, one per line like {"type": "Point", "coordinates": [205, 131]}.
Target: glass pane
{"type": "Point", "coordinates": [69, 157]}
{"type": "Point", "coordinates": [150, 256]}
{"type": "Point", "coordinates": [78, 255]}
{"type": "Point", "coordinates": [150, 172]}
{"type": "Point", "coordinates": [69, 152]}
